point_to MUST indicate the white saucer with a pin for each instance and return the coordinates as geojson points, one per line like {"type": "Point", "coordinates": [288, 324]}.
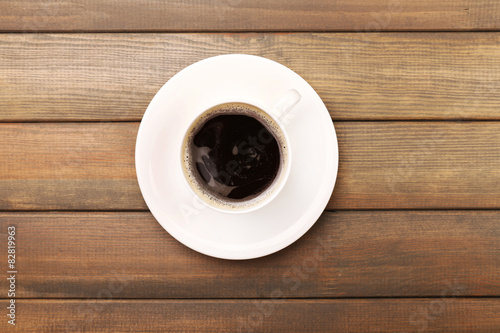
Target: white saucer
{"type": "Point", "coordinates": [225, 235]}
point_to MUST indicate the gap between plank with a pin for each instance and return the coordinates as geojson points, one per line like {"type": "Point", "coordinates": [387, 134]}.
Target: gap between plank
{"type": "Point", "coordinates": [152, 31]}
{"type": "Point", "coordinates": [410, 209]}
{"type": "Point", "coordinates": [326, 210]}
{"type": "Point", "coordinates": [256, 298]}
{"type": "Point", "coordinates": [65, 121]}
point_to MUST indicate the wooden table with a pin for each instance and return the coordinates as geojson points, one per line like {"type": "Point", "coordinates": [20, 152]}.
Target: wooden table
{"type": "Point", "coordinates": [409, 242]}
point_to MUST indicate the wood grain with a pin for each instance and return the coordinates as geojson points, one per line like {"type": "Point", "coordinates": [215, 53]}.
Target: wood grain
{"type": "Point", "coordinates": [359, 76]}
{"type": "Point", "coordinates": [256, 15]}
{"type": "Point", "coordinates": [75, 166]}
{"type": "Point", "coordinates": [345, 254]}
{"type": "Point", "coordinates": [393, 165]}
{"type": "Point", "coordinates": [383, 165]}
{"type": "Point", "coordinates": [384, 315]}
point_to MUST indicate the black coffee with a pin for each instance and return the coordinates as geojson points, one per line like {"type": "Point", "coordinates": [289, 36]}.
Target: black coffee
{"type": "Point", "coordinates": [235, 155]}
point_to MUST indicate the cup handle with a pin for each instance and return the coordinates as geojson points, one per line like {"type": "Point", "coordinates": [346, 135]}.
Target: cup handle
{"type": "Point", "coordinates": [285, 104]}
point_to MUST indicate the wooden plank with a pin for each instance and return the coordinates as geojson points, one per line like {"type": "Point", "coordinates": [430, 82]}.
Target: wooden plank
{"type": "Point", "coordinates": [238, 15]}
{"type": "Point", "coordinates": [345, 254]}
{"type": "Point", "coordinates": [68, 166]}
{"type": "Point", "coordinates": [383, 165]}
{"type": "Point", "coordinates": [53, 77]}
{"type": "Point", "coordinates": [358, 315]}
{"type": "Point", "coordinates": [393, 165]}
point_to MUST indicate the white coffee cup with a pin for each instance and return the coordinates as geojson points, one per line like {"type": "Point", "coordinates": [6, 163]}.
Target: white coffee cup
{"type": "Point", "coordinates": [275, 118]}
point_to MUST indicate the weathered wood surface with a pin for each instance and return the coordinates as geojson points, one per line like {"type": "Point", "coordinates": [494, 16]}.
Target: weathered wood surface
{"type": "Point", "coordinates": [396, 76]}
{"type": "Point", "coordinates": [281, 316]}
{"type": "Point", "coordinates": [249, 15]}
{"type": "Point", "coordinates": [383, 165]}
{"type": "Point", "coordinates": [346, 254]}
